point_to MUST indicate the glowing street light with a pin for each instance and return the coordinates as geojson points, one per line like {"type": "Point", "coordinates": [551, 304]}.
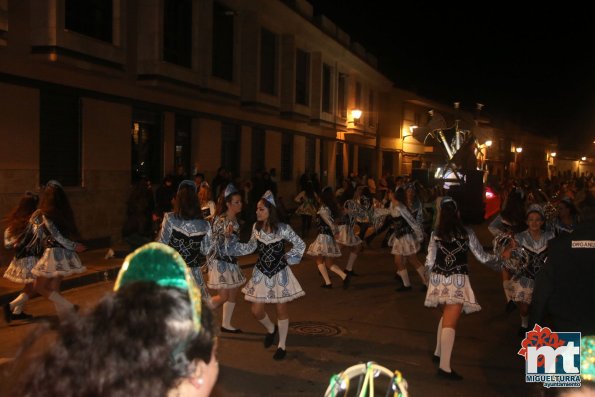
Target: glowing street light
{"type": "Point", "coordinates": [553, 154]}
{"type": "Point", "coordinates": [519, 149]}
{"type": "Point", "coordinates": [584, 158]}
{"type": "Point", "coordinates": [489, 143]}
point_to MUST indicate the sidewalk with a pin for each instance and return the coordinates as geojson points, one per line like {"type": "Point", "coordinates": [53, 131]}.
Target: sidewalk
{"type": "Point", "coordinates": [98, 269]}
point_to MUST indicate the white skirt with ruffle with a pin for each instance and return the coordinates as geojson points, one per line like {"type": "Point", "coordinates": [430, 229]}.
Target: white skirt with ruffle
{"type": "Point", "coordinates": [451, 290]}
{"type": "Point", "coordinates": [347, 236]}
{"type": "Point", "coordinates": [324, 245]}
{"type": "Point", "coordinates": [225, 275]}
{"type": "Point", "coordinates": [282, 287]}
{"type": "Point", "coordinates": [404, 245]}
{"type": "Point", "coordinates": [520, 289]}
{"type": "Point", "coordinates": [58, 261]}
{"type": "Point", "coordinates": [19, 270]}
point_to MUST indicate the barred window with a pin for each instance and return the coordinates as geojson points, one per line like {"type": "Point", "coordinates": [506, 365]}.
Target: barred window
{"type": "Point", "coordinates": [302, 77]}
{"type": "Point", "coordinates": [146, 145]}
{"type": "Point", "coordinates": [326, 88]}
{"type": "Point", "coordinates": [258, 149]}
{"type": "Point", "coordinates": [222, 42]}
{"type": "Point", "coordinates": [268, 62]}
{"type": "Point", "coordinates": [230, 148]}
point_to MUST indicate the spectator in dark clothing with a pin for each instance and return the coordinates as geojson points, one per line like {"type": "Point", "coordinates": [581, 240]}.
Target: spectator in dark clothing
{"type": "Point", "coordinates": [138, 225]}
{"type": "Point", "coordinates": [164, 195]}
{"type": "Point", "coordinates": [269, 184]}
{"type": "Point", "coordinates": [563, 295]}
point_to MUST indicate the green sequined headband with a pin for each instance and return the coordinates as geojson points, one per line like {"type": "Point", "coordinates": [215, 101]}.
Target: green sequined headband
{"type": "Point", "coordinates": [162, 264]}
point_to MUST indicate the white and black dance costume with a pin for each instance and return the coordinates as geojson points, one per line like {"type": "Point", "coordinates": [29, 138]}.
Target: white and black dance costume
{"type": "Point", "coordinates": [347, 235]}
{"type": "Point", "coordinates": [25, 255]}
{"type": "Point", "coordinates": [325, 244]}
{"type": "Point", "coordinates": [272, 280]}
{"type": "Point", "coordinates": [407, 232]}
{"type": "Point", "coordinates": [530, 255]}
{"type": "Point", "coordinates": [449, 271]}
{"type": "Point", "coordinates": [59, 258]}
{"type": "Point", "coordinates": [192, 239]}
{"type": "Point", "coordinates": [223, 269]}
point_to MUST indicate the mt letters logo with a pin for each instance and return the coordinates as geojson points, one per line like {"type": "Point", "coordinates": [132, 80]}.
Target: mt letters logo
{"type": "Point", "coordinates": [552, 358]}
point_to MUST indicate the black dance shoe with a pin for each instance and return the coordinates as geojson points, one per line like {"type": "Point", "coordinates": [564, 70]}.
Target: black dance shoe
{"type": "Point", "coordinates": [522, 331]}
{"type": "Point", "coordinates": [269, 338]}
{"type": "Point", "coordinates": [402, 288]}
{"type": "Point", "coordinates": [352, 273]}
{"type": "Point", "coordinates": [279, 354]}
{"type": "Point", "coordinates": [327, 286]}
{"type": "Point", "coordinates": [231, 331]}
{"type": "Point", "coordinates": [347, 281]}
{"type": "Point", "coordinates": [448, 375]}
{"type": "Point", "coordinates": [510, 307]}
{"type": "Point", "coordinates": [21, 316]}
{"type": "Point", "coordinates": [435, 359]}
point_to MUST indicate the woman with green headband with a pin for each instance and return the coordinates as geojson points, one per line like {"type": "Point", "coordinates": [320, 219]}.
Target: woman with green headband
{"type": "Point", "coordinates": [152, 337]}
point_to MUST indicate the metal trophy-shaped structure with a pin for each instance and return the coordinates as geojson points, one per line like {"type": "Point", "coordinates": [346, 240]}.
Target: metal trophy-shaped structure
{"type": "Point", "coordinates": [459, 172]}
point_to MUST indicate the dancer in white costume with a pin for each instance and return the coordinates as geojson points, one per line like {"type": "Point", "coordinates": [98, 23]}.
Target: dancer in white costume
{"type": "Point", "coordinates": [449, 287]}
{"type": "Point", "coordinates": [54, 227]}
{"type": "Point", "coordinates": [529, 253]}
{"type": "Point", "coordinates": [272, 279]}
{"type": "Point", "coordinates": [225, 275]}
{"type": "Point", "coordinates": [325, 248]}
{"type": "Point", "coordinates": [406, 239]}
{"type": "Point", "coordinates": [17, 237]}
{"type": "Point", "coordinates": [187, 232]}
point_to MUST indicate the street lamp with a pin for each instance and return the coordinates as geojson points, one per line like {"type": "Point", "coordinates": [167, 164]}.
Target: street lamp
{"type": "Point", "coordinates": [519, 149]}
{"type": "Point", "coordinates": [489, 143]}
{"type": "Point", "coordinates": [553, 154]}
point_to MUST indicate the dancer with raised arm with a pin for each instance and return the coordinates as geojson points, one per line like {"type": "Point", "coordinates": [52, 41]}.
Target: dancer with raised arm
{"type": "Point", "coordinates": [272, 279]}
{"type": "Point", "coordinates": [225, 275]}
{"type": "Point", "coordinates": [449, 287]}
{"type": "Point", "coordinates": [54, 227]}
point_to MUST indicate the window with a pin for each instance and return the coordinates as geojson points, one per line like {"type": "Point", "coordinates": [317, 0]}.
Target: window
{"type": "Point", "coordinates": [311, 154]}
{"type": "Point", "coordinates": [326, 88]}
{"type": "Point", "coordinates": [230, 148]}
{"type": "Point", "coordinates": [302, 77]}
{"type": "Point", "coordinates": [177, 32]}
{"type": "Point", "coordinates": [60, 138]}
{"type": "Point", "coordinates": [146, 143]}
{"type": "Point", "coordinates": [92, 18]}
{"type": "Point", "coordinates": [182, 142]}
{"type": "Point", "coordinates": [258, 149]}
{"type": "Point", "coordinates": [341, 96]}
{"type": "Point", "coordinates": [287, 157]}
{"type": "Point", "coordinates": [222, 42]}
{"type": "Point", "coordinates": [358, 95]}
{"type": "Point", "coordinates": [371, 108]}
{"type": "Point", "coordinates": [268, 62]}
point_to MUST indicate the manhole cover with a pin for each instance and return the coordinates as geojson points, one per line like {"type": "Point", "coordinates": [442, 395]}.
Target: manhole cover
{"type": "Point", "coordinates": [316, 328]}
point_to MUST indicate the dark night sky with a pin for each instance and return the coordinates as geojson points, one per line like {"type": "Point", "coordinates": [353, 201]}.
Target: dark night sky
{"type": "Point", "coordinates": [535, 67]}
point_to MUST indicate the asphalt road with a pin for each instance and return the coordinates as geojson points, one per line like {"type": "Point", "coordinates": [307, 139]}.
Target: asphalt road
{"type": "Point", "coordinates": [331, 330]}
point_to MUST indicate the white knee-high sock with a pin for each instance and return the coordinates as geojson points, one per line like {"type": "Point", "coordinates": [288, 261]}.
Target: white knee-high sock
{"type": "Point", "coordinates": [266, 321]}
{"type": "Point", "coordinates": [422, 274]}
{"type": "Point", "coordinates": [437, 352]}
{"type": "Point", "coordinates": [405, 277]}
{"type": "Point", "coordinates": [447, 341]}
{"type": "Point", "coordinates": [227, 312]}
{"type": "Point", "coordinates": [62, 304]}
{"type": "Point", "coordinates": [17, 304]}
{"type": "Point", "coordinates": [336, 269]}
{"type": "Point", "coordinates": [351, 261]}
{"type": "Point", "coordinates": [283, 330]}
{"type": "Point", "coordinates": [324, 272]}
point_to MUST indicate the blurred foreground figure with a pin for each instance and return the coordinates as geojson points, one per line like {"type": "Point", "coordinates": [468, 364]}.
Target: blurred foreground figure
{"type": "Point", "coordinates": [152, 337]}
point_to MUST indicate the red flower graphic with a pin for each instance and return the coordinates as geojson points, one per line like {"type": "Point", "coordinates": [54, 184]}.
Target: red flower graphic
{"type": "Point", "coordinates": [539, 337]}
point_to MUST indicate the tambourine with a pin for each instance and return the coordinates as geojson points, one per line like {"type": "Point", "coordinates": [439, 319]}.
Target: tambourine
{"type": "Point", "coordinates": [550, 211]}
{"type": "Point", "coordinates": [519, 260]}
{"type": "Point", "coordinates": [367, 379]}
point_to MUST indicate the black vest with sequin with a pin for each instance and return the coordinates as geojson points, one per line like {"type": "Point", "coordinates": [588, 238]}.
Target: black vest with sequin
{"type": "Point", "coordinates": [323, 228]}
{"type": "Point", "coordinates": [401, 227]}
{"type": "Point", "coordinates": [451, 257]}
{"type": "Point", "coordinates": [188, 247]}
{"type": "Point", "coordinates": [271, 257]}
